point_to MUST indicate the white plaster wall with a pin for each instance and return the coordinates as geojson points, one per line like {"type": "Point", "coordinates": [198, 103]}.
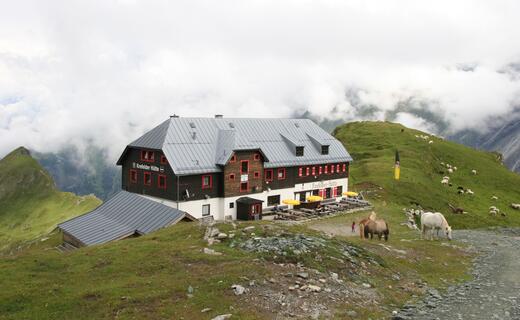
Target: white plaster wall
{"type": "Point", "coordinates": [219, 207]}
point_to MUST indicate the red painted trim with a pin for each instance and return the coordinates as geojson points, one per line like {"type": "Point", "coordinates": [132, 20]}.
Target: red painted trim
{"type": "Point", "coordinates": [159, 181]}
{"type": "Point", "coordinates": [147, 174]}
{"type": "Point", "coordinates": [320, 170]}
{"type": "Point", "coordinates": [242, 161]}
{"type": "Point", "coordinates": [148, 152]}
{"type": "Point", "coordinates": [307, 171]}
{"type": "Point", "coordinates": [281, 170]}
{"type": "Point", "coordinates": [231, 176]}
{"type": "Point", "coordinates": [164, 160]}
{"type": "Point", "coordinates": [314, 170]}
{"type": "Point", "coordinates": [300, 172]}
{"type": "Point", "coordinates": [326, 169]}
{"type": "Point", "coordinates": [331, 169]}
{"type": "Point", "coordinates": [268, 177]}
{"type": "Point", "coordinates": [256, 157]}
{"type": "Point", "coordinates": [210, 182]}
{"type": "Point", "coordinates": [344, 167]}
{"type": "Point", "coordinates": [256, 174]}
{"type": "Point", "coordinates": [247, 186]}
{"type": "Point", "coordinates": [338, 168]}
{"type": "Point", "coordinates": [233, 158]}
{"type": "Point", "coordinates": [133, 179]}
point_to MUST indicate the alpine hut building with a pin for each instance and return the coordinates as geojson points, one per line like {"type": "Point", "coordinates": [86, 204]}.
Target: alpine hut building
{"type": "Point", "coordinates": [222, 168]}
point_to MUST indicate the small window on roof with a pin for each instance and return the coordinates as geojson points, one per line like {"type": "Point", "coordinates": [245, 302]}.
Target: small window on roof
{"type": "Point", "coordinates": [299, 151]}
{"type": "Point", "coordinates": [231, 125]}
{"type": "Point", "coordinates": [324, 149]}
{"type": "Point", "coordinates": [192, 125]}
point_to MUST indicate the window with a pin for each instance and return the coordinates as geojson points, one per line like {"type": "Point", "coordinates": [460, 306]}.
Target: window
{"type": "Point", "coordinates": [161, 181]}
{"type": "Point", "coordinates": [344, 167]}
{"type": "Point", "coordinates": [299, 151]}
{"type": "Point", "coordinates": [231, 176]}
{"type": "Point", "coordinates": [205, 210]}
{"type": "Point", "coordinates": [164, 160]}
{"type": "Point", "coordinates": [268, 174]}
{"type": "Point", "coordinates": [320, 170]}
{"type": "Point", "coordinates": [300, 171]}
{"type": "Point", "coordinates": [307, 171]}
{"type": "Point", "coordinates": [339, 191]}
{"type": "Point", "coordinates": [231, 205]}
{"type": "Point", "coordinates": [244, 186]}
{"type": "Point", "coordinates": [324, 149]}
{"type": "Point", "coordinates": [244, 167]}
{"type": "Point", "coordinates": [133, 176]}
{"type": "Point", "coordinates": [281, 174]}
{"type": "Point", "coordinates": [256, 157]}
{"type": "Point", "coordinates": [331, 168]}
{"type": "Point", "coordinates": [273, 200]}
{"type": "Point", "coordinates": [326, 169]}
{"type": "Point", "coordinates": [337, 168]}
{"type": "Point", "coordinates": [147, 179]}
{"type": "Point", "coordinates": [256, 175]}
{"type": "Point", "coordinates": [233, 158]}
{"type": "Point", "coordinates": [147, 156]}
{"type": "Point", "coordinates": [313, 171]}
{"type": "Point", "coordinates": [207, 182]}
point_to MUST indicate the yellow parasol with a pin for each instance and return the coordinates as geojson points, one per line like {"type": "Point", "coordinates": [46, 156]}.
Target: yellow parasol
{"type": "Point", "coordinates": [291, 201]}
{"type": "Point", "coordinates": [314, 198]}
{"type": "Point", "coordinates": [350, 194]}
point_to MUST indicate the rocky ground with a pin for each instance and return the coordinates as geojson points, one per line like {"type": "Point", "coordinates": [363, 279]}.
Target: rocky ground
{"type": "Point", "coordinates": [494, 293]}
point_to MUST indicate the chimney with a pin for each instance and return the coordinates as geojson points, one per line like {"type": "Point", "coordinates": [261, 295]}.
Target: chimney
{"type": "Point", "coordinates": [219, 116]}
{"type": "Point", "coordinates": [174, 116]}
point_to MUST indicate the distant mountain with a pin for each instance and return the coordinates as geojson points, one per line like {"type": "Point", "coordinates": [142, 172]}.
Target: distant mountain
{"type": "Point", "coordinates": [82, 173]}
{"type": "Point", "coordinates": [504, 137]}
{"type": "Point", "coordinates": [30, 203]}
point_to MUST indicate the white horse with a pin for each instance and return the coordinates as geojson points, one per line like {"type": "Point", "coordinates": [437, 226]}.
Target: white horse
{"type": "Point", "coordinates": [434, 221]}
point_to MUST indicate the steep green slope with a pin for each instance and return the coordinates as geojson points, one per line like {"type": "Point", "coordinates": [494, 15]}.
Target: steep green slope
{"type": "Point", "coordinates": [30, 204]}
{"type": "Point", "coordinates": [373, 146]}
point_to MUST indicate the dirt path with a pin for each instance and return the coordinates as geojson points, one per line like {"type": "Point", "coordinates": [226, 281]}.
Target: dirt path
{"type": "Point", "coordinates": [494, 293]}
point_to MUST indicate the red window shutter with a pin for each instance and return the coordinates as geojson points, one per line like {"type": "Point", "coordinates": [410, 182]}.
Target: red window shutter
{"type": "Point", "coordinates": [344, 167]}
{"type": "Point", "coordinates": [307, 171]}
{"type": "Point", "coordinates": [300, 171]}
{"type": "Point", "coordinates": [313, 171]}
{"type": "Point", "coordinates": [320, 170]}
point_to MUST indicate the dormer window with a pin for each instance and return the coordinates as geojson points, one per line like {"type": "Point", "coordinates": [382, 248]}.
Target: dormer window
{"type": "Point", "coordinates": [324, 150]}
{"type": "Point", "coordinates": [299, 151]}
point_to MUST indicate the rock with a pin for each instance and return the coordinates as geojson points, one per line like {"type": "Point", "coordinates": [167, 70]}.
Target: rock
{"type": "Point", "coordinates": [352, 313]}
{"type": "Point", "coordinates": [303, 275]}
{"type": "Point", "coordinates": [272, 280]}
{"type": "Point", "coordinates": [211, 252]}
{"type": "Point", "coordinates": [222, 317]}
{"type": "Point", "coordinates": [214, 232]}
{"type": "Point", "coordinates": [190, 289]}
{"type": "Point", "coordinates": [222, 236]}
{"type": "Point", "coordinates": [292, 288]}
{"type": "Point", "coordinates": [314, 288]}
{"type": "Point", "coordinates": [205, 310]}
{"type": "Point", "coordinates": [322, 280]}
{"type": "Point", "coordinates": [249, 228]}
{"type": "Point", "coordinates": [238, 289]}
{"type": "Point", "coordinates": [231, 235]}
{"type": "Point", "coordinates": [366, 285]}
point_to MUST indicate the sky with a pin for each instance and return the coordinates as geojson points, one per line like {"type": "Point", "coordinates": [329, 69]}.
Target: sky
{"type": "Point", "coordinates": [104, 72]}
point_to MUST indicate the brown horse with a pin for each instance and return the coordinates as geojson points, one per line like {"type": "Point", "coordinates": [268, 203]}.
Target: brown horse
{"type": "Point", "coordinates": [363, 223]}
{"type": "Point", "coordinates": [378, 227]}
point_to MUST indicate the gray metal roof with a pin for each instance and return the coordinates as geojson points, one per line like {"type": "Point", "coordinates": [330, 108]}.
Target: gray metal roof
{"type": "Point", "coordinates": [123, 215]}
{"type": "Point", "coordinates": [200, 145]}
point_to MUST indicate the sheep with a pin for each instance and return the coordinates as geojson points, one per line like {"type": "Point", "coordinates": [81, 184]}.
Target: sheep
{"type": "Point", "coordinates": [455, 168]}
{"type": "Point", "coordinates": [448, 165]}
{"type": "Point", "coordinates": [474, 172]}
{"type": "Point", "coordinates": [494, 197]}
{"type": "Point", "coordinates": [430, 142]}
{"type": "Point", "coordinates": [442, 164]}
{"type": "Point", "coordinates": [461, 191]}
{"type": "Point", "coordinates": [469, 191]}
{"type": "Point", "coordinates": [493, 210]}
{"type": "Point", "coordinates": [445, 181]}
{"type": "Point", "coordinates": [446, 177]}
{"type": "Point", "coordinates": [515, 206]}
{"type": "Point", "coordinates": [450, 170]}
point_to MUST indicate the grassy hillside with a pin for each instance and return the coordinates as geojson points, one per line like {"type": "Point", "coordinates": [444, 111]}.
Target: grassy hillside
{"type": "Point", "coordinates": [30, 204]}
{"type": "Point", "coordinates": [373, 146]}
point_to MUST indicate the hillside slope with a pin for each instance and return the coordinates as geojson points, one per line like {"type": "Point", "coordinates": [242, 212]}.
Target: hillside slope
{"type": "Point", "coordinates": [30, 204]}
{"type": "Point", "coordinates": [373, 146]}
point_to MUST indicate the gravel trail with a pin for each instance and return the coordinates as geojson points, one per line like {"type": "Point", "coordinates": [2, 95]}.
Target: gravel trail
{"type": "Point", "coordinates": [494, 293]}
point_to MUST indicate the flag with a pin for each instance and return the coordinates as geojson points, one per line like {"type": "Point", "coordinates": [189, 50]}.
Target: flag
{"type": "Point", "coordinates": [397, 166]}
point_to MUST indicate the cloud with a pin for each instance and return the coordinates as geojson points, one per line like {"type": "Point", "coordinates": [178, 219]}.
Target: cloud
{"type": "Point", "coordinates": [103, 72]}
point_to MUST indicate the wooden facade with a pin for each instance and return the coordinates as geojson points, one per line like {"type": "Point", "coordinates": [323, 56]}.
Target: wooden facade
{"type": "Point", "coordinates": [236, 181]}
